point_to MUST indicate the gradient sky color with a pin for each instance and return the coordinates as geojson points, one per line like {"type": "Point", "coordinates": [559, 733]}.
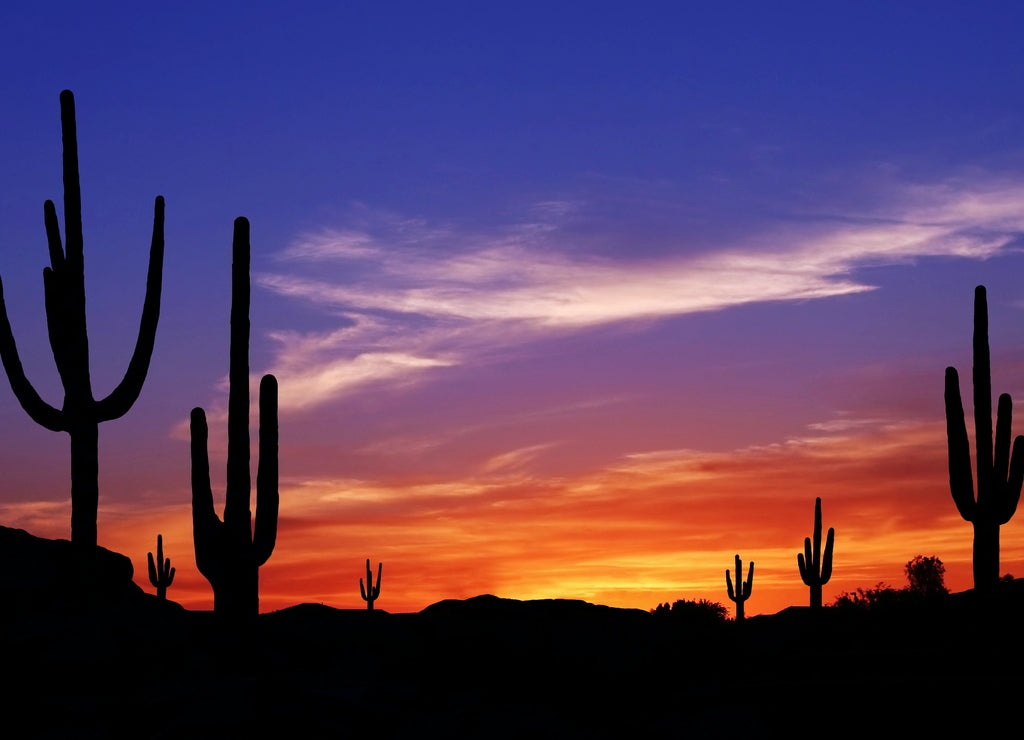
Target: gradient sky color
{"type": "Point", "coordinates": [565, 300]}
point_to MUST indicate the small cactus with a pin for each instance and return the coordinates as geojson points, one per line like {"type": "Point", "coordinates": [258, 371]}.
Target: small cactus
{"type": "Point", "coordinates": [161, 574]}
{"type": "Point", "coordinates": [742, 592]}
{"type": "Point", "coordinates": [815, 568]}
{"type": "Point", "coordinates": [369, 592]}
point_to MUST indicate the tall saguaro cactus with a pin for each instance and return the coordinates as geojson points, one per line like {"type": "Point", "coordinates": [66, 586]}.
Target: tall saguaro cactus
{"type": "Point", "coordinates": [64, 289]}
{"type": "Point", "coordinates": [230, 552]}
{"type": "Point", "coordinates": [815, 568]}
{"type": "Point", "coordinates": [1000, 474]}
{"type": "Point", "coordinates": [161, 574]}
{"type": "Point", "coordinates": [369, 592]}
{"type": "Point", "coordinates": [742, 591]}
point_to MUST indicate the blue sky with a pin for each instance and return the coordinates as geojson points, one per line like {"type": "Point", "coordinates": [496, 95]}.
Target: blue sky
{"type": "Point", "coordinates": [525, 244]}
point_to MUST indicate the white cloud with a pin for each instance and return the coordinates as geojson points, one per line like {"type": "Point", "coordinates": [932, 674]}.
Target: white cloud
{"type": "Point", "coordinates": [428, 297]}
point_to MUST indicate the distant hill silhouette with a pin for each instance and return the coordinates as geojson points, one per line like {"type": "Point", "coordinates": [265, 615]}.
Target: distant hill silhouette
{"type": "Point", "coordinates": [127, 664]}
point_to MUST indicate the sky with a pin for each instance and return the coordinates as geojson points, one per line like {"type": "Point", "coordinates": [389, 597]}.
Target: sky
{"type": "Point", "coordinates": [565, 300]}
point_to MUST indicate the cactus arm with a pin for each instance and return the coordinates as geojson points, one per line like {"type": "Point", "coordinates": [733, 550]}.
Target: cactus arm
{"type": "Point", "coordinates": [728, 584]}
{"type": "Point", "coordinates": [380, 570]}
{"type": "Point", "coordinates": [1014, 482]}
{"type": "Point", "coordinates": [806, 562]}
{"type": "Point", "coordinates": [39, 410]}
{"type": "Point", "coordinates": [205, 524]}
{"type": "Point", "coordinates": [53, 242]}
{"type": "Point", "coordinates": [127, 391]}
{"type": "Point", "coordinates": [1004, 414]}
{"type": "Point", "coordinates": [267, 497]}
{"type": "Point", "coordinates": [961, 478]}
{"type": "Point", "coordinates": [749, 585]}
{"type": "Point", "coordinates": [152, 569]}
{"type": "Point", "coordinates": [826, 563]}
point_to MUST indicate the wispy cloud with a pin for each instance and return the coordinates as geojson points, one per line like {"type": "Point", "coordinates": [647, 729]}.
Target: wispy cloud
{"type": "Point", "coordinates": [654, 526]}
{"type": "Point", "coordinates": [414, 296]}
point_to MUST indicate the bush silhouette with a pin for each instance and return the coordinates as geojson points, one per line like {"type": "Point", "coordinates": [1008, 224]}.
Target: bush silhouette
{"type": "Point", "coordinates": [926, 576]}
{"type": "Point", "coordinates": [703, 612]}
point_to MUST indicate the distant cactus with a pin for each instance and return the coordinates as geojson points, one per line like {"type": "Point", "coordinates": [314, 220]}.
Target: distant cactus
{"type": "Point", "coordinates": [742, 592]}
{"type": "Point", "coordinates": [999, 481]}
{"type": "Point", "coordinates": [369, 592]}
{"type": "Point", "coordinates": [161, 574]}
{"type": "Point", "coordinates": [64, 287]}
{"type": "Point", "coordinates": [230, 552]}
{"type": "Point", "coordinates": [815, 568]}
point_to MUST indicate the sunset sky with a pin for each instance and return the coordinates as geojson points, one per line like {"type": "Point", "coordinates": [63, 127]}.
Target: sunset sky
{"type": "Point", "coordinates": [565, 300]}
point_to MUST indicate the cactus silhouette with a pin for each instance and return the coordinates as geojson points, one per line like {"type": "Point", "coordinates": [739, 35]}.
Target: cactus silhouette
{"type": "Point", "coordinates": [369, 592]}
{"type": "Point", "coordinates": [161, 574]}
{"type": "Point", "coordinates": [230, 552]}
{"type": "Point", "coordinates": [64, 289]}
{"type": "Point", "coordinates": [742, 592]}
{"type": "Point", "coordinates": [999, 478]}
{"type": "Point", "coordinates": [815, 568]}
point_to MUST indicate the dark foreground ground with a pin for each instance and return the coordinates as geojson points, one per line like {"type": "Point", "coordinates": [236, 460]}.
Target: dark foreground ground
{"type": "Point", "coordinates": [123, 664]}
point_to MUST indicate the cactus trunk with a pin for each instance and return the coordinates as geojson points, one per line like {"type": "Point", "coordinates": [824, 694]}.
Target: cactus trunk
{"type": "Point", "coordinates": [85, 490]}
{"type": "Point", "coordinates": [986, 554]}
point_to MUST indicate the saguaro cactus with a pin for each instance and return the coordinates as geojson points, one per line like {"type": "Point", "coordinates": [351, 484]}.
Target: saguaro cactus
{"type": "Point", "coordinates": [742, 592]}
{"type": "Point", "coordinates": [161, 574]}
{"type": "Point", "coordinates": [369, 592]}
{"type": "Point", "coordinates": [64, 289]}
{"type": "Point", "coordinates": [999, 477]}
{"type": "Point", "coordinates": [230, 552]}
{"type": "Point", "coordinates": [815, 568]}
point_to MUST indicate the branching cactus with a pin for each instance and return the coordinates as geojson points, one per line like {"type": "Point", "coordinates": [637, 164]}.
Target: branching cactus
{"type": "Point", "coordinates": [64, 289]}
{"type": "Point", "coordinates": [742, 591]}
{"type": "Point", "coordinates": [1000, 474]}
{"type": "Point", "coordinates": [369, 592]}
{"type": "Point", "coordinates": [230, 552]}
{"type": "Point", "coordinates": [161, 574]}
{"type": "Point", "coordinates": [815, 567]}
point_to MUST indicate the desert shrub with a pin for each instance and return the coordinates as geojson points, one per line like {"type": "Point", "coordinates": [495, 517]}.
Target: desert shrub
{"type": "Point", "coordinates": [703, 611]}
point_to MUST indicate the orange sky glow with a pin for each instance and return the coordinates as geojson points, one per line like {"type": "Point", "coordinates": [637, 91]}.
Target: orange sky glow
{"type": "Point", "coordinates": [655, 528]}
